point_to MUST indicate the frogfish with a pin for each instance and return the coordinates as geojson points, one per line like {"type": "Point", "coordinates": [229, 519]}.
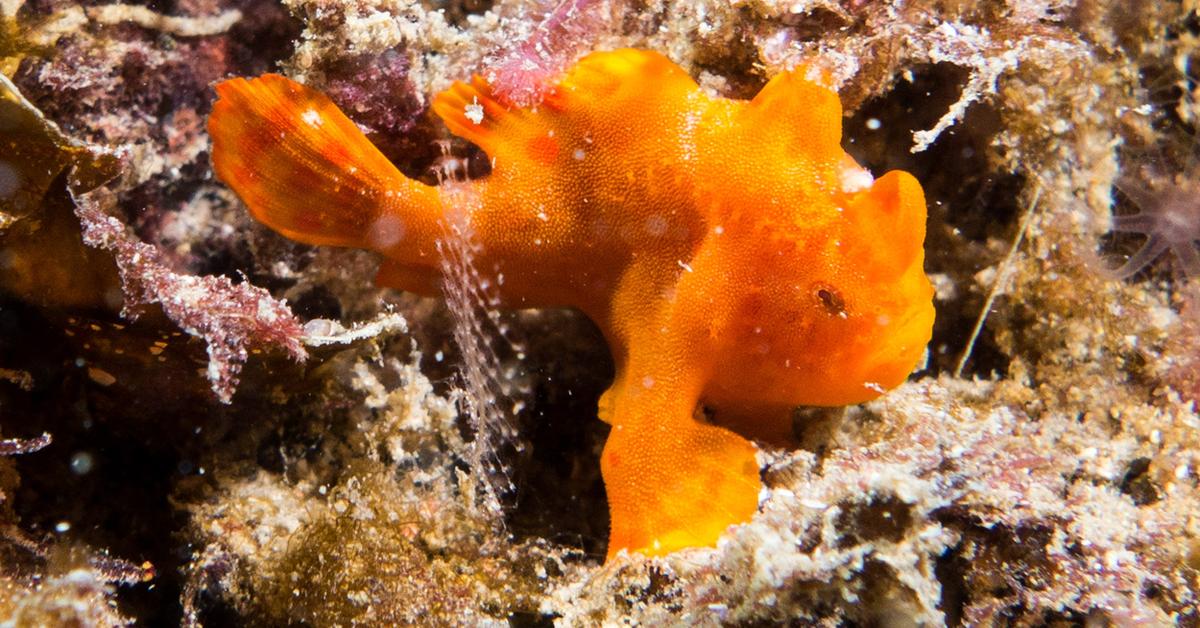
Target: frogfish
{"type": "Point", "coordinates": [738, 262]}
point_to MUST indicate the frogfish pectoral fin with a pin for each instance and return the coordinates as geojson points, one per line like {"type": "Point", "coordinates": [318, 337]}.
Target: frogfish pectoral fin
{"type": "Point", "coordinates": [674, 482]}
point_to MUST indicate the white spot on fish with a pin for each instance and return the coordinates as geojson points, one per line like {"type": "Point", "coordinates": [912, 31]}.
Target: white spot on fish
{"type": "Point", "coordinates": [311, 117]}
{"type": "Point", "coordinates": [386, 232]}
{"type": "Point", "coordinates": [656, 225]}
{"type": "Point", "coordinates": [855, 179]}
{"type": "Point", "coordinates": [474, 111]}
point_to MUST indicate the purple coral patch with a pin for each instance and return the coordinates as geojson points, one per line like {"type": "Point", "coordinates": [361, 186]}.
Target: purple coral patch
{"type": "Point", "coordinates": [521, 75]}
{"type": "Point", "coordinates": [375, 91]}
{"type": "Point", "coordinates": [231, 318]}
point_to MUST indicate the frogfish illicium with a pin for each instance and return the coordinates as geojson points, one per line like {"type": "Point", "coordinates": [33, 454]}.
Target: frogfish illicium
{"type": "Point", "coordinates": [738, 262]}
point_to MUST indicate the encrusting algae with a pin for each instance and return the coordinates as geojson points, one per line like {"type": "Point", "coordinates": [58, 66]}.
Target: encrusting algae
{"type": "Point", "coordinates": [737, 260]}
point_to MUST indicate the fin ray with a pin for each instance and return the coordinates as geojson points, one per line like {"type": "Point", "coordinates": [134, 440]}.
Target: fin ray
{"type": "Point", "coordinates": [300, 165]}
{"type": "Point", "coordinates": [471, 112]}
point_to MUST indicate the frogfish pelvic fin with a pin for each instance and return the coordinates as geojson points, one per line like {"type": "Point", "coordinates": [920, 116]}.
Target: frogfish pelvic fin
{"type": "Point", "coordinates": [737, 260]}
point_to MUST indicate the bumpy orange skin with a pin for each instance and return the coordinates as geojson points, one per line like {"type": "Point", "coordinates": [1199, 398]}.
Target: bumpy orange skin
{"type": "Point", "coordinates": [734, 256]}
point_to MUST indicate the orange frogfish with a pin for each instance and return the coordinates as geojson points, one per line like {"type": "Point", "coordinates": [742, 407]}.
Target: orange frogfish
{"type": "Point", "coordinates": [738, 262]}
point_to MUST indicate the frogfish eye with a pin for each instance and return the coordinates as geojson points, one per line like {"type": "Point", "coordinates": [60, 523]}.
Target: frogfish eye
{"type": "Point", "coordinates": [830, 300]}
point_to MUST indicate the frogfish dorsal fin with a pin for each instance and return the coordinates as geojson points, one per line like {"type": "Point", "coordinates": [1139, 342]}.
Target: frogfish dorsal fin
{"type": "Point", "coordinates": [471, 112]}
{"type": "Point", "coordinates": [628, 79]}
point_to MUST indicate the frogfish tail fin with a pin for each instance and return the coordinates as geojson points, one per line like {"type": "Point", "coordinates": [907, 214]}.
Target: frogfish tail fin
{"type": "Point", "coordinates": [305, 169]}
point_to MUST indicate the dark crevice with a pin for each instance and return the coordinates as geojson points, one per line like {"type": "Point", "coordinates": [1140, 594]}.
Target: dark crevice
{"type": "Point", "coordinates": [883, 518]}
{"type": "Point", "coordinates": [950, 571]}
{"type": "Point", "coordinates": [559, 493]}
{"type": "Point", "coordinates": [971, 204]}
